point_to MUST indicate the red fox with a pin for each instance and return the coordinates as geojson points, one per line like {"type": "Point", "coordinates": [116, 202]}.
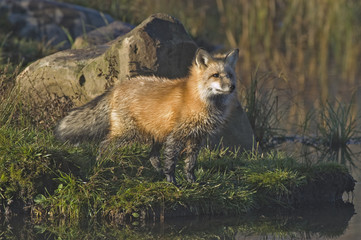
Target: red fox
{"type": "Point", "coordinates": [176, 114]}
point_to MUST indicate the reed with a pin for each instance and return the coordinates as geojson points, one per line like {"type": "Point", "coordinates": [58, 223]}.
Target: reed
{"type": "Point", "coordinates": [261, 103]}
{"type": "Point", "coordinates": [312, 44]}
{"type": "Point", "coordinates": [337, 125]}
{"type": "Point", "coordinates": [9, 95]}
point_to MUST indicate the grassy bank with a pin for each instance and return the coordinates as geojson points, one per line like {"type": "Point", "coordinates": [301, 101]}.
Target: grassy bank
{"type": "Point", "coordinates": [56, 181]}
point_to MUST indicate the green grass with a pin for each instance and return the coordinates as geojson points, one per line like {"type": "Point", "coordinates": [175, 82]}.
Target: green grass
{"type": "Point", "coordinates": [337, 125]}
{"type": "Point", "coordinates": [332, 128]}
{"type": "Point", "coordinates": [262, 108]}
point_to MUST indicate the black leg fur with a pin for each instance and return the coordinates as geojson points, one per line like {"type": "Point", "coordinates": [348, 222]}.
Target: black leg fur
{"type": "Point", "coordinates": [154, 156]}
{"type": "Point", "coordinates": [193, 147]}
{"type": "Point", "coordinates": [172, 150]}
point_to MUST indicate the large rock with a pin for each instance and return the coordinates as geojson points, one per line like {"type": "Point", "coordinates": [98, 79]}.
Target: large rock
{"type": "Point", "coordinates": [102, 35]}
{"type": "Point", "coordinates": [53, 22]}
{"type": "Point", "coordinates": [158, 46]}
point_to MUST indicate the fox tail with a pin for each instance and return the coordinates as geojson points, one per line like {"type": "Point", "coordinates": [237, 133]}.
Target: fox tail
{"type": "Point", "coordinates": [87, 123]}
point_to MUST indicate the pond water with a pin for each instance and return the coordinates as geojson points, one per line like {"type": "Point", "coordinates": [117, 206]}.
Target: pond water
{"type": "Point", "coordinates": [340, 222]}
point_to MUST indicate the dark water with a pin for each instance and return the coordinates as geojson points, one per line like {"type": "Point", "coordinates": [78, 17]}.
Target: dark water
{"type": "Point", "coordinates": [324, 222]}
{"type": "Point", "coordinates": [342, 222]}
{"type": "Point", "coordinates": [353, 230]}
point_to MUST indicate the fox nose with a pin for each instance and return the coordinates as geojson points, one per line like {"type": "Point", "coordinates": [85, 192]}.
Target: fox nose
{"type": "Point", "coordinates": [232, 87]}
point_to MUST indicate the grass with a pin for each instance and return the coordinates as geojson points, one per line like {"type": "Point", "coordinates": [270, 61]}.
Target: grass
{"type": "Point", "coordinates": [330, 131]}
{"type": "Point", "coordinates": [126, 188]}
{"type": "Point", "coordinates": [262, 108]}
{"type": "Point", "coordinates": [337, 125]}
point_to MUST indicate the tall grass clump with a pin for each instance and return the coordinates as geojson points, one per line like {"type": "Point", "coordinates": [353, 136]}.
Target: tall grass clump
{"type": "Point", "coordinates": [337, 124]}
{"type": "Point", "coordinates": [337, 128]}
{"type": "Point", "coordinates": [261, 101]}
{"type": "Point", "coordinates": [17, 113]}
{"type": "Point", "coordinates": [9, 96]}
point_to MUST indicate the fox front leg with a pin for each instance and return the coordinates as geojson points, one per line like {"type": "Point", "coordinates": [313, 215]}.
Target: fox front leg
{"type": "Point", "coordinates": [171, 153]}
{"type": "Point", "coordinates": [155, 156]}
{"type": "Point", "coordinates": [192, 150]}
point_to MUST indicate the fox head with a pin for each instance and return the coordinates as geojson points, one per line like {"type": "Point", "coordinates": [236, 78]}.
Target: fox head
{"type": "Point", "coordinates": [216, 76]}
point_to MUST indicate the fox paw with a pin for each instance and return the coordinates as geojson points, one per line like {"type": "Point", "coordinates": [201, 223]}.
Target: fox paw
{"type": "Point", "coordinates": [171, 179]}
{"type": "Point", "coordinates": [190, 177]}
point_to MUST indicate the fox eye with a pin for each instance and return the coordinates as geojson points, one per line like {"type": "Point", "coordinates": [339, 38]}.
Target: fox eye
{"type": "Point", "coordinates": [216, 75]}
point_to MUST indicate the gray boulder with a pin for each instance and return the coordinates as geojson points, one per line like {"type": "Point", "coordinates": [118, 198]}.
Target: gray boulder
{"type": "Point", "coordinates": [158, 46]}
{"type": "Point", "coordinates": [102, 35]}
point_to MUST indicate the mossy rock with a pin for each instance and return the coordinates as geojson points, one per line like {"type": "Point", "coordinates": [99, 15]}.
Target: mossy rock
{"type": "Point", "coordinates": [158, 46]}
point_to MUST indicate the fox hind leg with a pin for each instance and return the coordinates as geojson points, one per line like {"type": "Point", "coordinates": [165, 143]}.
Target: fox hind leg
{"type": "Point", "coordinates": [103, 150]}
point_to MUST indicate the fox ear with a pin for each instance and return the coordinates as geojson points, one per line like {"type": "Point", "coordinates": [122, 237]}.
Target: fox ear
{"type": "Point", "coordinates": [232, 57]}
{"type": "Point", "coordinates": [203, 58]}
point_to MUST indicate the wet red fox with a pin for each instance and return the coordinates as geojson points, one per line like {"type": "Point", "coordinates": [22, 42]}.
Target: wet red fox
{"type": "Point", "coordinates": [173, 114]}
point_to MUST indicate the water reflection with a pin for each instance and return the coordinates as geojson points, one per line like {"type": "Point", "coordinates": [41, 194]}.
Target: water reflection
{"type": "Point", "coordinates": [298, 224]}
